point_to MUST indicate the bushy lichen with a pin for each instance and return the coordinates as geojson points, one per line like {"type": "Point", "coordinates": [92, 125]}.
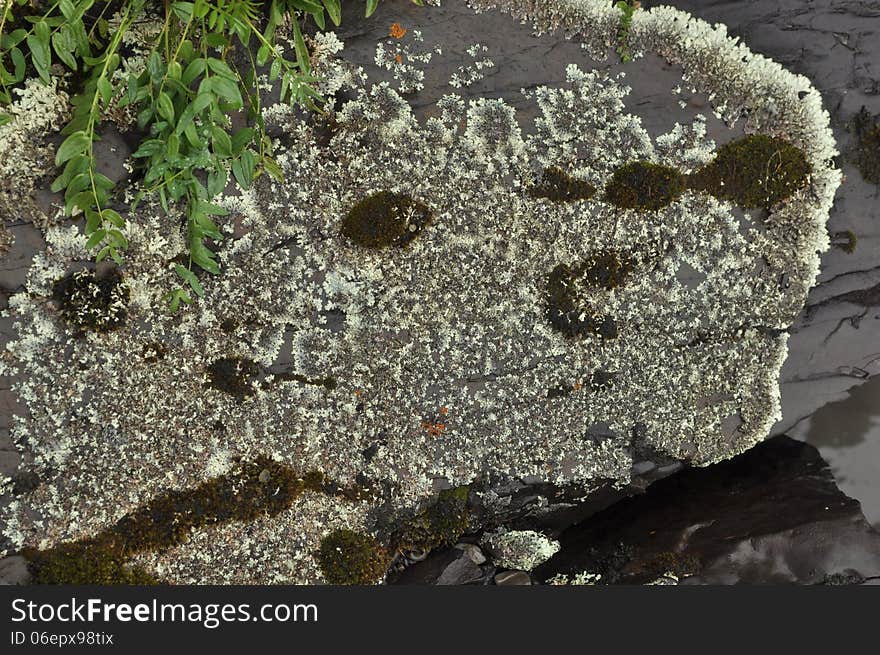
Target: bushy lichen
{"type": "Point", "coordinates": [347, 557]}
{"type": "Point", "coordinates": [89, 301]}
{"type": "Point", "coordinates": [644, 185]}
{"type": "Point", "coordinates": [559, 186]}
{"type": "Point", "coordinates": [385, 219]}
{"type": "Point", "coordinates": [755, 171]}
{"type": "Point", "coordinates": [440, 524]}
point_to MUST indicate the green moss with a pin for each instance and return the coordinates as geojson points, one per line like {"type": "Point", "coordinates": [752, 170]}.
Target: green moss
{"type": "Point", "coordinates": [235, 376]}
{"type": "Point", "coordinates": [867, 130]}
{"type": "Point", "coordinates": [262, 487]}
{"type": "Point", "coordinates": [385, 219]}
{"type": "Point", "coordinates": [645, 186]}
{"type": "Point", "coordinates": [89, 301]}
{"type": "Point", "coordinates": [755, 171]}
{"type": "Point", "coordinates": [347, 557]}
{"type": "Point", "coordinates": [559, 186]}
{"type": "Point", "coordinates": [440, 524]}
{"type": "Point", "coordinates": [846, 241]}
{"type": "Point", "coordinates": [81, 564]}
{"type": "Point", "coordinates": [569, 308]}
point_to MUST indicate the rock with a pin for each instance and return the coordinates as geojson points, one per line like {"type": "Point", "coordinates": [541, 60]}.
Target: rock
{"type": "Point", "coordinates": [14, 571]}
{"type": "Point", "coordinates": [473, 552]}
{"type": "Point", "coordinates": [451, 566]}
{"type": "Point", "coordinates": [521, 549]}
{"type": "Point", "coordinates": [771, 515]}
{"type": "Point", "coordinates": [508, 578]}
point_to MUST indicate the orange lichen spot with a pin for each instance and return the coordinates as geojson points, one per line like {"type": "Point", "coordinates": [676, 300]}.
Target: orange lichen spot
{"type": "Point", "coordinates": [444, 411]}
{"type": "Point", "coordinates": [397, 31]}
{"type": "Point", "coordinates": [577, 386]}
{"type": "Point", "coordinates": [434, 429]}
{"type": "Point", "coordinates": [399, 59]}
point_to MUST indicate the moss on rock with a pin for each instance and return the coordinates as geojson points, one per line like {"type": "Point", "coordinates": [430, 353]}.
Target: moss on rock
{"type": "Point", "coordinates": [755, 171]}
{"type": "Point", "coordinates": [385, 219]}
{"type": "Point", "coordinates": [235, 376]}
{"type": "Point", "coordinates": [89, 301]}
{"type": "Point", "coordinates": [570, 308]}
{"type": "Point", "coordinates": [347, 557]}
{"type": "Point", "coordinates": [82, 564]}
{"type": "Point", "coordinates": [559, 186]}
{"type": "Point", "coordinates": [440, 524]}
{"type": "Point", "coordinates": [867, 130]}
{"type": "Point", "coordinates": [644, 185]}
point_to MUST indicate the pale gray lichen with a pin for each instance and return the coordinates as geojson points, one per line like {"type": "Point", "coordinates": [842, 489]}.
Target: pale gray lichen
{"type": "Point", "coordinates": [520, 549]}
{"type": "Point", "coordinates": [449, 331]}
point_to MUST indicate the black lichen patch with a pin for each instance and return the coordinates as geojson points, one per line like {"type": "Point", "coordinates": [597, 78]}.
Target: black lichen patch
{"type": "Point", "coordinates": [602, 380]}
{"type": "Point", "coordinates": [756, 171]}
{"type": "Point", "coordinates": [867, 131]}
{"type": "Point", "coordinates": [559, 391]}
{"type": "Point", "coordinates": [262, 487]}
{"type": "Point", "coordinates": [571, 293]}
{"type": "Point", "coordinates": [89, 301]}
{"type": "Point", "coordinates": [235, 376]}
{"type": "Point", "coordinates": [440, 524]}
{"type": "Point", "coordinates": [644, 185]}
{"type": "Point", "coordinates": [385, 219]}
{"type": "Point", "coordinates": [154, 351]}
{"type": "Point", "coordinates": [559, 186]}
{"type": "Point", "coordinates": [347, 557]}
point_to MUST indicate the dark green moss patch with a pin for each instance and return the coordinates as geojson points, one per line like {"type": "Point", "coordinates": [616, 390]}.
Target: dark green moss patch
{"type": "Point", "coordinates": [846, 241]}
{"type": "Point", "coordinates": [385, 219]}
{"type": "Point", "coordinates": [262, 487]}
{"type": "Point", "coordinates": [756, 171]}
{"type": "Point", "coordinates": [867, 131]}
{"type": "Point", "coordinates": [569, 306]}
{"type": "Point", "coordinates": [347, 557]}
{"type": "Point", "coordinates": [559, 186]}
{"type": "Point", "coordinates": [440, 524]}
{"type": "Point", "coordinates": [644, 185]}
{"type": "Point", "coordinates": [235, 376]}
{"type": "Point", "coordinates": [82, 564]}
{"type": "Point", "coordinates": [89, 301]}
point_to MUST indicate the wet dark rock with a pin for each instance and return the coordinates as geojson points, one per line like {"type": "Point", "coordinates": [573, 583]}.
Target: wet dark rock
{"type": "Point", "coordinates": [771, 515]}
{"type": "Point", "coordinates": [450, 566]}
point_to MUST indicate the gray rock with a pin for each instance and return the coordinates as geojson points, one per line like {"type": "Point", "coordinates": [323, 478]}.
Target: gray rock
{"type": "Point", "coordinates": [13, 571]}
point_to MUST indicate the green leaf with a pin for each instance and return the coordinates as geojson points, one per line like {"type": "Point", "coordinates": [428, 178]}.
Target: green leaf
{"type": "Point", "coordinates": [226, 89]}
{"type": "Point", "coordinates": [113, 217]}
{"type": "Point", "coordinates": [96, 238]}
{"type": "Point", "coordinates": [195, 68]}
{"type": "Point", "coordinates": [220, 68]}
{"type": "Point", "coordinates": [221, 141]}
{"type": "Point", "coordinates": [165, 107]}
{"type": "Point", "coordinates": [335, 11]}
{"type": "Point", "coordinates": [371, 7]}
{"type": "Point", "coordinates": [243, 168]}
{"type": "Point", "coordinates": [190, 278]}
{"type": "Point", "coordinates": [242, 138]}
{"type": "Point", "coordinates": [77, 143]}
{"type": "Point", "coordinates": [302, 52]}
{"type": "Point", "coordinates": [64, 50]}
{"type": "Point", "coordinates": [41, 55]}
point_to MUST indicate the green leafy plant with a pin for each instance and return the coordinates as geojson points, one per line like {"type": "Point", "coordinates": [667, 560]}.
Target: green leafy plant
{"type": "Point", "coordinates": [627, 9]}
{"type": "Point", "coordinates": [194, 79]}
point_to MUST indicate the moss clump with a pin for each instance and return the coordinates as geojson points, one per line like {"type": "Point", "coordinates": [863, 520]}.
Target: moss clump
{"type": "Point", "coordinates": [569, 306]}
{"type": "Point", "coordinates": [262, 487]}
{"type": "Point", "coordinates": [643, 185]}
{"type": "Point", "coordinates": [234, 376]}
{"type": "Point", "coordinates": [92, 302]}
{"type": "Point", "coordinates": [347, 557]}
{"type": "Point", "coordinates": [559, 186]}
{"type": "Point", "coordinates": [755, 171]}
{"type": "Point", "coordinates": [867, 131]}
{"type": "Point", "coordinates": [440, 524]}
{"type": "Point", "coordinates": [385, 219]}
{"type": "Point", "coordinates": [83, 563]}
